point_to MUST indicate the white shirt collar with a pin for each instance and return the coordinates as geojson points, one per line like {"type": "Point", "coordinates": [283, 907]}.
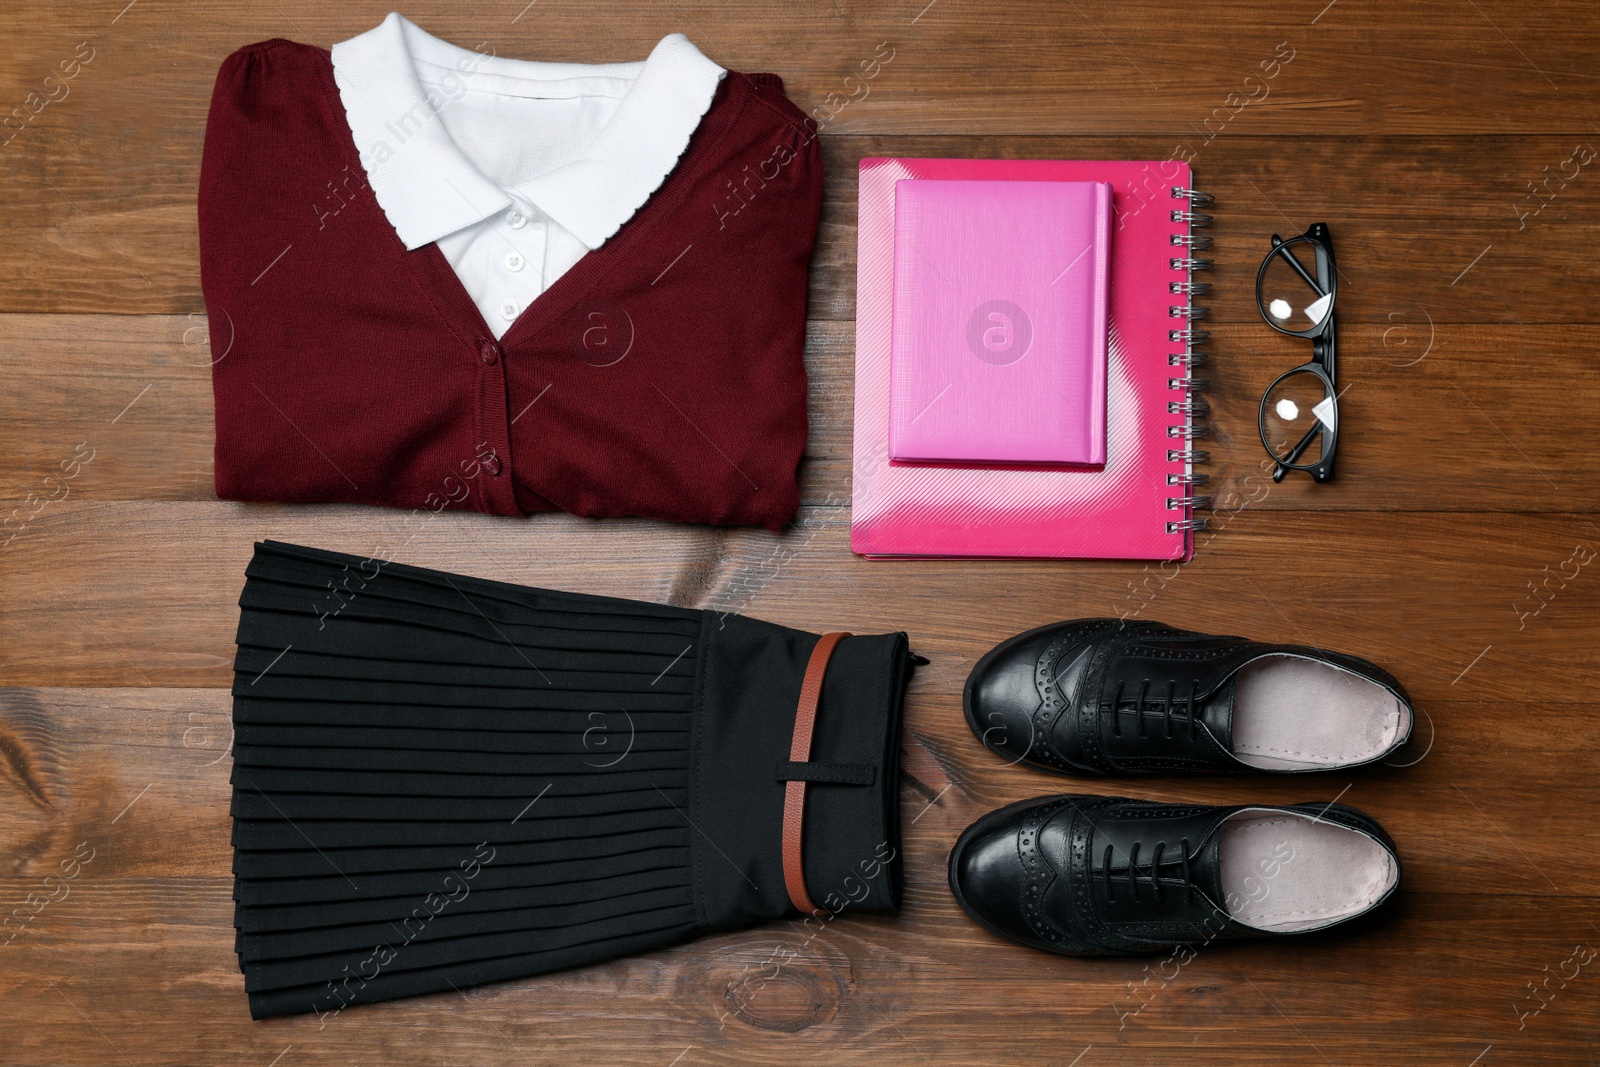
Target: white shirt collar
{"type": "Point", "coordinates": [428, 188]}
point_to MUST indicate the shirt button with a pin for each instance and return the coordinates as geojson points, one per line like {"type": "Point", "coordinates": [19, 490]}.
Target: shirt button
{"type": "Point", "coordinates": [489, 352]}
{"type": "Point", "coordinates": [491, 463]}
{"type": "Point", "coordinates": [514, 261]}
{"type": "Point", "coordinates": [516, 219]}
{"type": "Point", "coordinates": [509, 310]}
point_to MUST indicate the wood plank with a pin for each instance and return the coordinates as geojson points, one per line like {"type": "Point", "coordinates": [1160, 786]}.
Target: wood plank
{"type": "Point", "coordinates": [118, 771]}
{"type": "Point", "coordinates": [1426, 229]}
{"type": "Point", "coordinates": [1462, 418]}
{"type": "Point", "coordinates": [124, 765]}
{"type": "Point", "coordinates": [1493, 68]}
{"type": "Point", "coordinates": [1410, 216]}
{"type": "Point", "coordinates": [117, 593]}
{"type": "Point", "coordinates": [1454, 978]}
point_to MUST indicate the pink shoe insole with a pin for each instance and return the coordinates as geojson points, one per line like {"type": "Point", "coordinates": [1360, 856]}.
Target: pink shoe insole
{"type": "Point", "coordinates": [1292, 713]}
{"type": "Point", "coordinates": [1290, 873]}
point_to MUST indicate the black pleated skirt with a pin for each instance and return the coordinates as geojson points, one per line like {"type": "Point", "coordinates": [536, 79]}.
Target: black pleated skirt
{"type": "Point", "coordinates": [441, 781]}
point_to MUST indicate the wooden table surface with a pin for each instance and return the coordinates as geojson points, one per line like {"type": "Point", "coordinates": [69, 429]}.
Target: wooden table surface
{"type": "Point", "coordinates": [1450, 145]}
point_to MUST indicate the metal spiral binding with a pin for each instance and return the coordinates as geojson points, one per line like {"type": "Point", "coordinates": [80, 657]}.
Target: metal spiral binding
{"type": "Point", "coordinates": [1194, 196]}
{"type": "Point", "coordinates": [1189, 405]}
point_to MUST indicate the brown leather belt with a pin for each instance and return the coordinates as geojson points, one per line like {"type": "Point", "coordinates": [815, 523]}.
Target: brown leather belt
{"type": "Point", "coordinates": [794, 792]}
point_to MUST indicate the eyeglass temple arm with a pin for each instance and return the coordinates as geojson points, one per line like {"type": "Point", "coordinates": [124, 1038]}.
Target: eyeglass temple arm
{"type": "Point", "coordinates": [1277, 250]}
{"type": "Point", "coordinates": [1279, 470]}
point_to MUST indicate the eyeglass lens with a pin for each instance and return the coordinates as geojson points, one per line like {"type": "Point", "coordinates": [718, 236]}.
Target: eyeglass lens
{"type": "Point", "coordinates": [1297, 406]}
{"type": "Point", "coordinates": [1289, 294]}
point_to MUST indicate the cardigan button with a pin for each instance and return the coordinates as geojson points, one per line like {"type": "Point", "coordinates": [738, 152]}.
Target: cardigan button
{"type": "Point", "coordinates": [489, 352]}
{"type": "Point", "coordinates": [491, 463]}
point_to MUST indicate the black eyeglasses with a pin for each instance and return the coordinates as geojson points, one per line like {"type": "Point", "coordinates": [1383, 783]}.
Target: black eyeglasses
{"type": "Point", "coordinates": [1299, 417]}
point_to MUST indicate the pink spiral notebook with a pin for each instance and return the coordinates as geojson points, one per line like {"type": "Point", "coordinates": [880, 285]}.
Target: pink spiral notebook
{"type": "Point", "coordinates": [1137, 506]}
{"type": "Point", "coordinates": [1000, 322]}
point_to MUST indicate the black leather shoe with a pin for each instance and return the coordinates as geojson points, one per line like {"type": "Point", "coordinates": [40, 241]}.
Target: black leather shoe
{"type": "Point", "coordinates": [1105, 696]}
{"type": "Point", "coordinates": [1108, 876]}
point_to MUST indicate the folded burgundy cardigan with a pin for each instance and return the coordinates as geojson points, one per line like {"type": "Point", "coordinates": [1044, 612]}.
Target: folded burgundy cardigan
{"type": "Point", "coordinates": [662, 376]}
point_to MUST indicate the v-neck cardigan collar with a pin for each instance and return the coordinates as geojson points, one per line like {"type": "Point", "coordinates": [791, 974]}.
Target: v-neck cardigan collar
{"type": "Point", "coordinates": [647, 381]}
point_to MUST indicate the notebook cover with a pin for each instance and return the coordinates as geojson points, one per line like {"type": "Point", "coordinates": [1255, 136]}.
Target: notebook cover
{"type": "Point", "coordinates": [999, 342]}
{"type": "Point", "coordinates": [1116, 512]}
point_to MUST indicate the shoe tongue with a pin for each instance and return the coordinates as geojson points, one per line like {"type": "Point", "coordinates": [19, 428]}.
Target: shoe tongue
{"type": "Point", "coordinates": [1160, 675]}
{"type": "Point", "coordinates": [1208, 910]}
{"type": "Point", "coordinates": [1215, 705]}
{"type": "Point", "coordinates": [1216, 712]}
{"type": "Point", "coordinates": [1206, 868]}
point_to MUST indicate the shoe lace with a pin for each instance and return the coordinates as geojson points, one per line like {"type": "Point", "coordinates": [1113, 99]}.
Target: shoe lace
{"type": "Point", "coordinates": [1164, 708]}
{"type": "Point", "coordinates": [1152, 874]}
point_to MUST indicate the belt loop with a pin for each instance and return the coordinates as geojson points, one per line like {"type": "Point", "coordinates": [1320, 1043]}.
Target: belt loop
{"type": "Point", "coordinates": [794, 792]}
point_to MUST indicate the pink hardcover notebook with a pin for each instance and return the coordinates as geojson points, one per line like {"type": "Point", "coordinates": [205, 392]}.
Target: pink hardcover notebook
{"type": "Point", "coordinates": [1134, 506]}
{"type": "Point", "coordinates": [999, 342]}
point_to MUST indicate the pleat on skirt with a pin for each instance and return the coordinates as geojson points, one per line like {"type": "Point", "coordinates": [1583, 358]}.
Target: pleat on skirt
{"type": "Point", "coordinates": [440, 781]}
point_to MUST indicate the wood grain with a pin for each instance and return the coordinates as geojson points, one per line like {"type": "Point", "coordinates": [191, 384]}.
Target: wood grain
{"type": "Point", "coordinates": [154, 602]}
{"type": "Point", "coordinates": [141, 776]}
{"type": "Point", "coordinates": [1437, 416]}
{"type": "Point", "coordinates": [1410, 216]}
{"type": "Point", "coordinates": [1445, 550]}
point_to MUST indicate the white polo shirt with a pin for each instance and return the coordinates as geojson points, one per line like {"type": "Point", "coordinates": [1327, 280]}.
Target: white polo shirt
{"type": "Point", "coordinates": [516, 169]}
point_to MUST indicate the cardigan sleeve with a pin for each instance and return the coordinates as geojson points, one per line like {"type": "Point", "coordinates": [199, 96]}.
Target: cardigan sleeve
{"type": "Point", "coordinates": [333, 377]}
